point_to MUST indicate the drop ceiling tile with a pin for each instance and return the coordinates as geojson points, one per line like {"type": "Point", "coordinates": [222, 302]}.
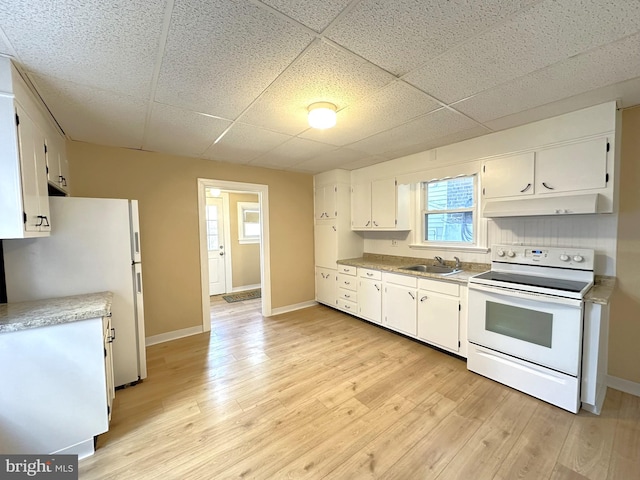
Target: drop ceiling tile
{"type": "Point", "coordinates": [107, 45]}
{"type": "Point", "coordinates": [332, 159]}
{"type": "Point", "coordinates": [613, 63]}
{"type": "Point", "coordinates": [401, 35]}
{"type": "Point", "coordinates": [324, 74]}
{"type": "Point", "coordinates": [92, 115]}
{"type": "Point", "coordinates": [243, 143]}
{"type": "Point", "coordinates": [221, 54]}
{"type": "Point", "coordinates": [313, 14]}
{"type": "Point", "coordinates": [294, 151]}
{"type": "Point", "coordinates": [441, 141]}
{"type": "Point", "coordinates": [394, 105]}
{"type": "Point", "coordinates": [181, 132]}
{"type": "Point", "coordinates": [543, 35]}
{"type": "Point", "coordinates": [417, 132]}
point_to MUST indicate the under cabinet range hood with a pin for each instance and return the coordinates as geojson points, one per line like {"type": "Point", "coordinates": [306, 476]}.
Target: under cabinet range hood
{"type": "Point", "coordinates": [526, 207]}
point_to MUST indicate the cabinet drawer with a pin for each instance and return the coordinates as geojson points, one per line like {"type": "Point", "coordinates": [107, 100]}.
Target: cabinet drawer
{"type": "Point", "coordinates": [349, 295]}
{"type": "Point", "coordinates": [347, 269]}
{"type": "Point", "coordinates": [445, 288]}
{"type": "Point", "coordinates": [347, 281]}
{"type": "Point", "coordinates": [368, 273]}
{"type": "Point", "coordinates": [347, 306]}
{"type": "Point", "coordinates": [404, 280]}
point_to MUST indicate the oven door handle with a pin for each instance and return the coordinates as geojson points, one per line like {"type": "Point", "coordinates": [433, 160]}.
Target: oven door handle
{"type": "Point", "coordinates": [540, 297]}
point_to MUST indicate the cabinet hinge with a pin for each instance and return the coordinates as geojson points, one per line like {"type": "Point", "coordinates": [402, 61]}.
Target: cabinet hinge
{"type": "Point", "coordinates": [47, 168]}
{"type": "Point", "coordinates": [606, 178]}
{"type": "Point", "coordinates": [483, 190]}
{"type": "Point", "coordinates": [17, 119]}
{"type": "Point", "coordinates": [608, 146]}
{"type": "Point", "coordinates": [335, 189]}
{"type": "Point", "coordinates": [24, 217]}
{"type": "Point", "coordinates": [459, 308]}
{"type": "Point", "coordinates": [45, 148]}
{"type": "Point", "coordinates": [459, 344]}
{"type": "Point", "coordinates": [396, 222]}
{"type": "Point", "coordinates": [484, 169]}
{"type": "Point", "coordinates": [108, 410]}
{"type": "Point", "coordinates": [396, 182]}
{"type": "Point", "coordinates": [105, 352]}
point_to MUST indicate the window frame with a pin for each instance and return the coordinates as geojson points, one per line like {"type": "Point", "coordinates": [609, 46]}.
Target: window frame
{"type": "Point", "coordinates": [241, 207]}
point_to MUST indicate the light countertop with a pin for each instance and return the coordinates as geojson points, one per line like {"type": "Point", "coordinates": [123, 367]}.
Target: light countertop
{"type": "Point", "coordinates": [53, 311]}
{"type": "Point", "coordinates": [600, 293]}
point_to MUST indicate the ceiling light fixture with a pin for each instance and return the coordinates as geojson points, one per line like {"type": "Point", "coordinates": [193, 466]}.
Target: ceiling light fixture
{"type": "Point", "coordinates": [322, 115]}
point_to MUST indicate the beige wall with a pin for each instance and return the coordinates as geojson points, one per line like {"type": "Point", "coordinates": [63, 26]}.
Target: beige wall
{"type": "Point", "coordinates": [624, 330]}
{"type": "Point", "coordinates": [166, 188]}
{"type": "Point", "coordinates": [245, 259]}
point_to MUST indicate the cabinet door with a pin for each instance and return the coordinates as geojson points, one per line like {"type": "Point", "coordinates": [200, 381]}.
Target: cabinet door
{"type": "Point", "coordinates": [581, 166]}
{"type": "Point", "coordinates": [400, 308]}
{"type": "Point", "coordinates": [326, 245]}
{"type": "Point", "coordinates": [370, 299]}
{"type": "Point", "coordinates": [53, 162]}
{"type": "Point", "coordinates": [508, 177]}
{"type": "Point", "coordinates": [383, 203]}
{"type": "Point", "coordinates": [326, 286]}
{"type": "Point", "coordinates": [326, 202]}
{"type": "Point", "coordinates": [28, 143]}
{"type": "Point", "coordinates": [361, 206]}
{"type": "Point", "coordinates": [438, 319]}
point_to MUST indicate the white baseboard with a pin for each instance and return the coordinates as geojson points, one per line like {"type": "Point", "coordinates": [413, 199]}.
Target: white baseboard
{"type": "Point", "coordinates": [244, 288]}
{"type": "Point", "coordinates": [623, 385]}
{"type": "Point", "coordinates": [291, 308]}
{"type": "Point", "coordinates": [174, 335]}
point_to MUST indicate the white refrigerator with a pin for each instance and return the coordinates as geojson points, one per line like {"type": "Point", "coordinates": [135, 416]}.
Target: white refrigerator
{"type": "Point", "coordinates": [94, 246]}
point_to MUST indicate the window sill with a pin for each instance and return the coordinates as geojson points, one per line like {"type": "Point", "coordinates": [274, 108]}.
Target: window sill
{"type": "Point", "coordinates": [244, 241]}
{"type": "Point", "coordinates": [452, 248]}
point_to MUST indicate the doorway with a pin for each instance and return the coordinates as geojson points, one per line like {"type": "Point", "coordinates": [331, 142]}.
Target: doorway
{"type": "Point", "coordinates": [208, 252]}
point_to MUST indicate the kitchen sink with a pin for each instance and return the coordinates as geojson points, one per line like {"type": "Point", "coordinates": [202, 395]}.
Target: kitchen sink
{"type": "Point", "coordinates": [438, 269]}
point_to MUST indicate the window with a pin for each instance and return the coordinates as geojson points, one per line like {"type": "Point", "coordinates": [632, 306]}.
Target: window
{"type": "Point", "coordinates": [449, 211]}
{"type": "Point", "coordinates": [248, 222]}
{"type": "Point", "coordinates": [213, 238]}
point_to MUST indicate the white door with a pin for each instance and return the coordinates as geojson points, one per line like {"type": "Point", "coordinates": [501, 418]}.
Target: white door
{"type": "Point", "coordinates": [215, 247]}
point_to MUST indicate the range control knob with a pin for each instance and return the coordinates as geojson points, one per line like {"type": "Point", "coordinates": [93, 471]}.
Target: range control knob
{"type": "Point", "coordinates": [564, 257]}
{"type": "Point", "coordinates": [500, 253]}
{"type": "Point", "coordinates": [511, 254]}
{"type": "Point", "coordinates": [577, 258]}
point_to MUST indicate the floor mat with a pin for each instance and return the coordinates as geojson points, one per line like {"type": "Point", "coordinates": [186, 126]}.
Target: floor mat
{"type": "Point", "coordinates": [241, 296]}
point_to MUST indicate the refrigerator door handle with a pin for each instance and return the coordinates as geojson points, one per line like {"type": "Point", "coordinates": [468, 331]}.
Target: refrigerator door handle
{"type": "Point", "coordinates": [136, 241]}
{"type": "Point", "coordinates": [139, 282]}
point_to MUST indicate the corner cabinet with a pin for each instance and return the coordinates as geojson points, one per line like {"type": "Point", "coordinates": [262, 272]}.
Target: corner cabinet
{"type": "Point", "coordinates": [333, 237]}
{"type": "Point", "coordinates": [380, 205]}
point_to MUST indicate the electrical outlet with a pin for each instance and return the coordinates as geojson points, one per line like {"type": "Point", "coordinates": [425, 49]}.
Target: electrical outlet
{"type": "Point", "coordinates": [394, 243]}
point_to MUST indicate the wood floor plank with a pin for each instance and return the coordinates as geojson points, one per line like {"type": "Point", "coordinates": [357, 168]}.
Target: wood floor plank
{"type": "Point", "coordinates": [317, 393]}
{"type": "Point", "coordinates": [589, 444]}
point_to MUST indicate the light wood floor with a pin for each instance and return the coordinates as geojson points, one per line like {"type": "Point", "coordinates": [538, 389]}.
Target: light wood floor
{"type": "Point", "coordinates": [319, 394]}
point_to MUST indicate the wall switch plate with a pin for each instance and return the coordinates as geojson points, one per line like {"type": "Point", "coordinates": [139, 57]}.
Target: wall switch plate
{"type": "Point", "coordinates": [394, 243]}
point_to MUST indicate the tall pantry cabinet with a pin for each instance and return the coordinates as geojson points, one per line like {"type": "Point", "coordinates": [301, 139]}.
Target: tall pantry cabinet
{"type": "Point", "coordinates": [334, 239]}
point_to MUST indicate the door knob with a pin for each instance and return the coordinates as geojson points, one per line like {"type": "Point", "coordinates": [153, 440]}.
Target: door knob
{"type": "Point", "coordinates": [221, 253]}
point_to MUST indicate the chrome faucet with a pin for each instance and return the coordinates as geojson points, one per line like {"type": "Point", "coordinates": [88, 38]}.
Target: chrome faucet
{"type": "Point", "coordinates": [439, 260]}
{"type": "Point", "coordinates": [457, 263]}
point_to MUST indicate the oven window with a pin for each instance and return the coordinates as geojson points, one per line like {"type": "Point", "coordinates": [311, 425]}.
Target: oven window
{"type": "Point", "coordinates": [521, 323]}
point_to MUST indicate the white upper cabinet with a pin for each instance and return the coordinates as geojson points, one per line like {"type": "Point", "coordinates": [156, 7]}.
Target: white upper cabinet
{"type": "Point", "coordinates": [57, 165]}
{"type": "Point", "coordinates": [326, 202]}
{"type": "Point", "coordinates": [26, 128]}
{"type": "Point", "coordinates": [568, 178]}
{"type": "Point", "coordinates": [568, 168]}
{"type": "Point", "coordinates": [508, 176]}
{"type": "Point", "coordinates": [380, 205]}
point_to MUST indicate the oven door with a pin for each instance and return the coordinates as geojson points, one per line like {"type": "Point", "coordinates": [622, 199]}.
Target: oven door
{"type": "Point", "coordinates": [541, 329]}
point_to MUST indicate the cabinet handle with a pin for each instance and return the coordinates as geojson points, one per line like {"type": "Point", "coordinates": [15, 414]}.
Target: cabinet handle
{"type": "Point", "coordinates": [334, 228]}
{"type": "Point", "coordinates": [347, 296]}
{"type": "Point", "coordinates": [375, 224]}
{"type": "Point", "coordinates": [369, 274]}
{"type": "Point", "coordinates": [348, 307]}
{"type": "Point", "coordinates": [423, 298]}
{"type": "Point", "coordinates": [367, 224]}
{"type": "Point", "coordinates": [411, 295]}
{"type": "Point", "coordinates": [377, 287]}
{"type": "Point", "coordinates": [547, 186]}
{"type": "Point", "coordinates": [526, 188]}
{"type": "Point", "coordinates": [44, 221]}
{"type": "Point", "coordinates": [347, 283]}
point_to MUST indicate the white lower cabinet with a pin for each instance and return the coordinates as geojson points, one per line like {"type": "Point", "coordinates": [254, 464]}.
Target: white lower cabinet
{"type": "Point", "coordinates": [370, 294]}
{"type": "Point", "coordinates": [326, 286]}
{"type": "Point", "coordinates": [439, 314]}
{"type": "Point", "coordinates": [400, 302]}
